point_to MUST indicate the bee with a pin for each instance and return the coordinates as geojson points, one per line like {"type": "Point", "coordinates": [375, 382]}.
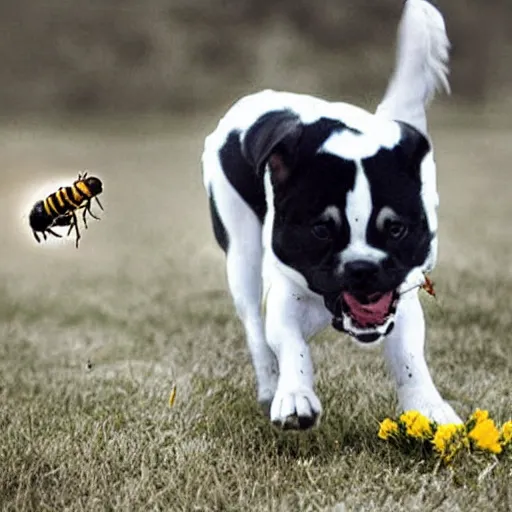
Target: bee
{"type": "Point", "coordinates": [59, 208]}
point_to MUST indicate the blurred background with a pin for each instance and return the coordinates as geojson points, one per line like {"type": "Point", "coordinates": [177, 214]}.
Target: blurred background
{"type": "Point", "coordinates": [185, 56]}
{"type": "Point", "coordinates": [91, 340]}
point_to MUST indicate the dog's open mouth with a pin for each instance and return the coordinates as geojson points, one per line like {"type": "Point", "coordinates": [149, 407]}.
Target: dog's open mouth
{"type": "Point", "coordinates": [371, 310]}
{"type": "Point", "coordinates": [367, 317]}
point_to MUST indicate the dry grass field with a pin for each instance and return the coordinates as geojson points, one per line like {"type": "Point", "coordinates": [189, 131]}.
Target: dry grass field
{"type": "Point", "coordinates": [144, 300]}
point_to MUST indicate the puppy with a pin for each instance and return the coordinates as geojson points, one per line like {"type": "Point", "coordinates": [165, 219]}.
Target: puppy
{"type": "Point", "coordinates": [327, 215]}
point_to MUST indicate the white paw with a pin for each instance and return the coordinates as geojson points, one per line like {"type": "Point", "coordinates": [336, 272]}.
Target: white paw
{"type": "Point", "coordinates": [295, 409]}
{"type": "Point", "coordinates": [435, 410]}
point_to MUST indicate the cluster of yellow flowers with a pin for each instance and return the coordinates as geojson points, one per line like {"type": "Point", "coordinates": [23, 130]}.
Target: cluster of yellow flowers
{"type": "Point", "coordinates": [479, 433]}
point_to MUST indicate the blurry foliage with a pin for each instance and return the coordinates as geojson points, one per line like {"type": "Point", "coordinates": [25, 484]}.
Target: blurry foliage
{"type": "Point", "coordinates": [118, 55]}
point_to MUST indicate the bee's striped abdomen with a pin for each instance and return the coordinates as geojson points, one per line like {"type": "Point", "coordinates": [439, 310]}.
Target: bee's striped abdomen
{"type": "Point", "coordinates": [52, 206]}
{"type": "Point", "coordinates": [57, 204]}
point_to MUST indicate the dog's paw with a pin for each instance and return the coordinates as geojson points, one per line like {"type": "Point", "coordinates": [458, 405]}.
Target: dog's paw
{"type": "Point", "coordinates": [439, 411]}
{"type": "Point", "coordinates": [295, 409]}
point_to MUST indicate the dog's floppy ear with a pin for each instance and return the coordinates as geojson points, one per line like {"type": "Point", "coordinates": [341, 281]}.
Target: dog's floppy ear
{"type": "Point", "coordinates": [414, 146]}
{"type": "Point", "coordinates": [273, 139]}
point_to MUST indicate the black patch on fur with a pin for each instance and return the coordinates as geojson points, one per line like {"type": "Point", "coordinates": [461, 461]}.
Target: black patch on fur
{"type": "Point", "coordinates": [219, 230]}
{"type": "Point", "coordinates": [394, 176]}
{"type": "Point", "coordinates": [242, 175]}
{"type": "Point", "coordinates": [277, 131]}
{"type": "Point", "coordinates": [243, 165]}
{"type": "Point", "coordinates": [318, 180]}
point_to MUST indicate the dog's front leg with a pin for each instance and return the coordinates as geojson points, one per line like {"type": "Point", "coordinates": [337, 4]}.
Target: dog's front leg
{"type": "Point", "coordinates": [293, 315]}
{"type": "Point", "coordinates": [404, 352]}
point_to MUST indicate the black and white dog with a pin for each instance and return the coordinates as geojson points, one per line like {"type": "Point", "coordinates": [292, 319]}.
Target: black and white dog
{"type": "Point", "coordinates": [328, 214]}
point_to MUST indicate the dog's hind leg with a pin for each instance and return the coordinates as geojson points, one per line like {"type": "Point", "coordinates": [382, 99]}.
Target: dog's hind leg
{"type": "Point", "coordinates": [238, 231]}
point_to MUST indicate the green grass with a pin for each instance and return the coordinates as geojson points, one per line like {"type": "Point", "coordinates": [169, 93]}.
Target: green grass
{"type": "Point", "coordinates": [145, 301]}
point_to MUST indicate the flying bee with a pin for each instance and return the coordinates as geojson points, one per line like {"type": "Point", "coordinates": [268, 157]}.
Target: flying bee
{"type": "Point", "coordinates": [59, 208]}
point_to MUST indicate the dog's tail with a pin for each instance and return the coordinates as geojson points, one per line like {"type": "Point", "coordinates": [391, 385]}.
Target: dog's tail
{"type": "Point", "coordinates": [421, 66]}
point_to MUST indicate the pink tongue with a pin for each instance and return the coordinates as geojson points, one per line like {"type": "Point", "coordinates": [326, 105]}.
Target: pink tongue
{"type": "Point", "coordinates": [374, 313]}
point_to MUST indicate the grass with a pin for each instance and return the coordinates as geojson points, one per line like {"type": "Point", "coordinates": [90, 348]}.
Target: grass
{"type": "Point", "coordinates": [144, 301]}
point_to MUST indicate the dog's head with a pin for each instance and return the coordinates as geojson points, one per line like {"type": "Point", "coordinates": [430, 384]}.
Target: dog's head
{"type": "Point", "coordinates": [346, 203]}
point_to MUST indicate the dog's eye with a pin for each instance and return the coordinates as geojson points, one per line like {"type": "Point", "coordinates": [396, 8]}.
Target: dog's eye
{"type": "Point", "coordinates": [395, 229]}
{"type": "Point", "coordinates": [321, 231]}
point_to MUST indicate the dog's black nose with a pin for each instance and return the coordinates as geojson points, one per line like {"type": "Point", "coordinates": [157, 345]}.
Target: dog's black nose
{"type": "Point", "coordinates": [361, 272]}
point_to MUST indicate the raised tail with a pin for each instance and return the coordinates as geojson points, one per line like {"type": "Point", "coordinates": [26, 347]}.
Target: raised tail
{"type": "Point", "coordinates": [421, 65]}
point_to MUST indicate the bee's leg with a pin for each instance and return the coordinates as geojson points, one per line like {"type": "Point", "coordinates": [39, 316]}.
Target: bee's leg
{"type": "Point", "coordinates": [53, 233]}
{"type": "Point", "coordinates": [90, 212]}
{"type": "Point", "coordinates": [85, 212]}
{"type": "Point", "coordinates": [99, 204]}
{"type": "Point", "coordinates": [75, 224]}
{"type": "Point", "coordinates": [71, 226]}
{"type": "Point", "coordinates": [36, 237]}
{"type": "Point", "coordinates": [44, 234]}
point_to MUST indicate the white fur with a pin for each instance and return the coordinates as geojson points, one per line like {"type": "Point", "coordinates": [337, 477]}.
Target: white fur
{"type": "Point", "coordinates": [355, 146]}
{"type": "Point", "coordinates": [421, 66]}
{"type": "Point", "coordinates": [358, 211]}
{"type": "Point", "coordinates": [404, 354]}
{"type": "Point", "coordinates": [279, 350]}
{"type": "Point", "coordinates": [293, 316]}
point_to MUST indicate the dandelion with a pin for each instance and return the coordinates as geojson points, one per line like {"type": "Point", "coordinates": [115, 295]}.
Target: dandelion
{"type": "Point", "coordinates": [448, 440]}
{"type": "Point", "coordinates": [506, 433]}
{"type": "Point", "coordinates": [388, 428]}
{"type": "Point", "coordinates": [479, 433]}
{"type": "Point", "coordinates": [443, 436]}
{"type": "Point", "coordinates": [486, 436]}
{"type": "Point", "coordinates": [416, 425]}
{"type": "Point", "coordinates": [478, 416]}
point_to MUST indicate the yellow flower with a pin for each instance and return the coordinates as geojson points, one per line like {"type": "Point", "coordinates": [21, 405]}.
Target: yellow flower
{"type": "Point", "coordinates": [486, 436]}
{"type": "Point", "coordinates": [416, 425]}
{"type": "Point", "coordinates": [479, 415]}
{"type": "Point", "coordinates": [388, 428]}
{"type": "Point", "coordinates": [506, 432]}
{"type": "Point", "coordinates": [448, 440]}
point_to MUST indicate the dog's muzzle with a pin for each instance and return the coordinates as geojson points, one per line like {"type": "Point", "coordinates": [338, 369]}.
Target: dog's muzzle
{"type": "Point", "coordinates": [367, 318]}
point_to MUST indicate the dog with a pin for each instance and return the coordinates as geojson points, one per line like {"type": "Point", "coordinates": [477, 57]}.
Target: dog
{"type": "Point", "coordinates": [327, 214]}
